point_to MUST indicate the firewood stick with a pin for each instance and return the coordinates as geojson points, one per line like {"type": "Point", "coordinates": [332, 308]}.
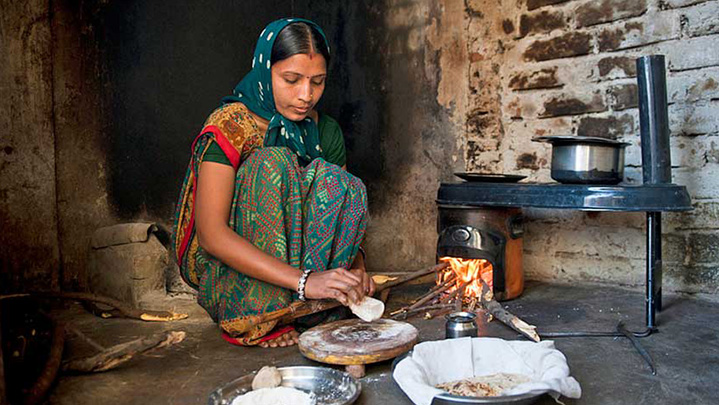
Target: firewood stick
{"type": "Point", "coordinates": [448, 308]}
{"type": "Point", "coordinates": [121, 353]}
{"type": "Point", "coordinates": [459, 301]}
{"type": "Point", "coordinates": [432, 293]}
{"type": "Point", "coordinates": [509, 319]}
{"type": "Point", "coordinates": [472, 304]}
{"type": "Point", "coordinates": [455, 292]}
{"type": "Point", "coordinates": [122, 308]}
{"type": "Point", "coordinates": [384, 295]}
{"type": "Point", "coordinates": [407, 314]}
{"type": "Point", "coordinates": [412, 276]}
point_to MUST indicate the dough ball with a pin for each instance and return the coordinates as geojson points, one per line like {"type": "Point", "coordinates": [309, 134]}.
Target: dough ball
{"type": "Point", "coordinates": [267, 377]}
{"type": "Point", "coordinates": [369, 309]}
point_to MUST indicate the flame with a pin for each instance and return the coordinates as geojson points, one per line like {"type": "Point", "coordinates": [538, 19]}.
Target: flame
{"type": "Point", "coordinates": [468, 270]}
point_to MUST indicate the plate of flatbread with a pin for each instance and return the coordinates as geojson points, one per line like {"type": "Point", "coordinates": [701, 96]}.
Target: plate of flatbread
{"type": "Point", "coordinates": [481, 390]}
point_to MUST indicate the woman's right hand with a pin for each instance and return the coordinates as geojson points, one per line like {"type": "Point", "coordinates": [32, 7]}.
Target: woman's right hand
{"type": "Point", "coordinates": [337, 284]}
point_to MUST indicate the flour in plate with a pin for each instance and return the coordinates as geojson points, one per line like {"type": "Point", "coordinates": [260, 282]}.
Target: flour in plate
{"type": "Point", "coordinates": [275, 396]}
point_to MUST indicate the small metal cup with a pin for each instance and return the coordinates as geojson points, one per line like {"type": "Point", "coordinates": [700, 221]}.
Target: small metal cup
{"type": "Point", "coordinates": [460, 324]}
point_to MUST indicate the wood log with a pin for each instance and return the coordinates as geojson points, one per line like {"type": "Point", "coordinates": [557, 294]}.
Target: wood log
{"type": "Point", "coordinates": [459, 301]}
{"type": "Point", "coordinates": [414, 275]}
{"type": "Point", "coordinates": [456, 292]}
{"type": "Point", "coordinates": [3, 394]}
{"type": "Point", "coordinates": [122, 308]}
{"type": "Point", "coordinates": [123, 352]}
{"type": "Point", "coordinates": [506, 317]}
{"type": "Point", "coordinates": [421, 301]}
{"type": "Point", "coordinates": [448, 308]}
{"type": "Point", "coordinates": [384, 295]}
{"type": "Point", "coordinates": [433, 293]}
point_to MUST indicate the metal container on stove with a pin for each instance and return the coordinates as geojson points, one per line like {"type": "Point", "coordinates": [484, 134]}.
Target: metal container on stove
{"type": "Point", "coordinates": [586, 159]}
{"type": "Point", "coordinates": [460, 324]}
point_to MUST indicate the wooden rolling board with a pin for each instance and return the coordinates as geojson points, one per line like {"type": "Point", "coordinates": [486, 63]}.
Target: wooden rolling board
{"type": "Point", "coordinates": [354, 342]}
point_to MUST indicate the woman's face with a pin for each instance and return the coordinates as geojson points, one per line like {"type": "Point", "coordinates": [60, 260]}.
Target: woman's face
{"type": "Point", "coordinates": [298, 83]}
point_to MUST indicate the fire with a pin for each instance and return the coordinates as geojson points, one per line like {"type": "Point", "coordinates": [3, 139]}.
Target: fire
{"type": "Point", "coordinates": [467, 270]}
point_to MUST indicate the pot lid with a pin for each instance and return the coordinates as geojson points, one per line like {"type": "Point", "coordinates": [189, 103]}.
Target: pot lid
{"type": "Point", "coordinates": [571, 139]}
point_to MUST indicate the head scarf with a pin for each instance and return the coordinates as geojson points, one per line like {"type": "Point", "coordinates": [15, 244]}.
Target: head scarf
{"type": "Point", "coordinates": [255, 91]}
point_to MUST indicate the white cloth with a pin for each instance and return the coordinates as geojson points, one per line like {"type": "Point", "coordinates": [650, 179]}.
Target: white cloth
{"type": "Point", "coordinates": [433, 363]}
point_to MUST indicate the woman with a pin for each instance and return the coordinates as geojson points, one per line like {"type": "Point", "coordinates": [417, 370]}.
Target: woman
{"type": "Point", "coordinates": [267, 213]}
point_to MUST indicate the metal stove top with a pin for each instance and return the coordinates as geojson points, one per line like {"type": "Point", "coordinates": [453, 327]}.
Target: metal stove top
{"type": "Point", "coordinates": [649, 198]}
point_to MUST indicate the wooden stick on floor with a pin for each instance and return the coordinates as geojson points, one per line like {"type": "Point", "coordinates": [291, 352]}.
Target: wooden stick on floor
{"type": "Point", "coordinates": [119, 354]}
{"type": "Point", "coordinates": [122, 309]}
{"type": "Point", "coordinates": [506, 317]}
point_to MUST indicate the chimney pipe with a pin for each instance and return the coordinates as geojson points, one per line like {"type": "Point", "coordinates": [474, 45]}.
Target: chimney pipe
{"type": "Point", "coordinates": [654, 120]}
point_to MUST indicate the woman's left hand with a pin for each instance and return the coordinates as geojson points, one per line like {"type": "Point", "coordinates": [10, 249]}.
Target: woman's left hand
{"type": "Point", "coordinates": [368, 286]}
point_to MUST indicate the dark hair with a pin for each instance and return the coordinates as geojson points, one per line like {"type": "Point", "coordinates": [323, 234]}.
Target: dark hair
{"type": "Point", "coordinates": [297, 38]}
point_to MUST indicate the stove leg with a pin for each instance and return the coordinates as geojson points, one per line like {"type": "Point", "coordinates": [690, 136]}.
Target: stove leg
{"type": "Point", "coordinates": [654, 268]}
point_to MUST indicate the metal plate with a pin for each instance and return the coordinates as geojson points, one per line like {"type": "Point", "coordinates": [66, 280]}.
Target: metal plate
{"type": "Point", "coordinates": [571, 139]}
{"type": "Point", "coordinates": [490, 178]}
{"type": "Point", "coordinates": [447, 399]}
{"type": "Point", "coordinates": [330, 386]}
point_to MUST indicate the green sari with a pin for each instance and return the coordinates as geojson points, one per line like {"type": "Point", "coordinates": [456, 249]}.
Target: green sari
{"type": "Point", "coordinates": [288, 202]}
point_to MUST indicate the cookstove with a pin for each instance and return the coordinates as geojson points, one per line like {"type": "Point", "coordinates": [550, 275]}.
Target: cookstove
{"type": "Point", "coordinates": [483, 220]}
{"type": "Point", "coordinates": [485, 233]}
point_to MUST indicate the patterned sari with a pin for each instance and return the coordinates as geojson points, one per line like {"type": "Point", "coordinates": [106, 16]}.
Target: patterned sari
{"type": "Point", "coordinates": [311, 217]}
{"type": "Point", "coordinates": [287, 201]}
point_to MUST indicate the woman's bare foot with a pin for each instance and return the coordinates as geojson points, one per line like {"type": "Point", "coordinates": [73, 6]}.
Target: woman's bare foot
{"type": "Point", "coordinates": [288, 339]}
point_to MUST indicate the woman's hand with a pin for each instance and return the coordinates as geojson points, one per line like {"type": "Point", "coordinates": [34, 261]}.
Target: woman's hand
{"type": "Point", "coordinates": [368, 285]}
{"type": "Point", "coordinates": [340, 284]}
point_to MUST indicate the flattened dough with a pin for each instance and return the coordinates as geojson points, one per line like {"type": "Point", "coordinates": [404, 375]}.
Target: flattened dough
{"type": "Point", "coordinates": [267, 377]}
{"type": "Point", "coordinates": [369, 309]}
{"type": "Point", "coordinates": [484, 386]}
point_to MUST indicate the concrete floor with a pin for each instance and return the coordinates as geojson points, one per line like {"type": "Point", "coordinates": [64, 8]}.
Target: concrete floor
{"type": "Point", "coordinates": [610, 371]}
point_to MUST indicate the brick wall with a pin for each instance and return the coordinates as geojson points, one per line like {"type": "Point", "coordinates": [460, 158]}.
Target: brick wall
{"type": "Point", "coordinates": [559, 67]}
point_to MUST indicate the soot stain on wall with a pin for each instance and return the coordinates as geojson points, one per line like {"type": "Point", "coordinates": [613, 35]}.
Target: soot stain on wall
{"type": "Point", "coordinates": [168, 68]}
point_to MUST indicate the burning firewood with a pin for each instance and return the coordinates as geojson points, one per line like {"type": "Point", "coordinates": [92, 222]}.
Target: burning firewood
{"type": "Point", "coordinates": [456, 292]}
{"type": "Point", "coordinates": [427, 298]}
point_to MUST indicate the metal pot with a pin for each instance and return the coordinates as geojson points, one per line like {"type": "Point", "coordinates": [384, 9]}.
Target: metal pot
{"type": "Point", "coordinates": [460, 324]}
{"type": "Point", "coordinates": [585, 159]}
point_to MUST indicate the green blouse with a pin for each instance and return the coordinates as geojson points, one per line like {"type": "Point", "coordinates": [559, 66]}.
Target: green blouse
{"type": "Point", "coordinates": [331, 141]}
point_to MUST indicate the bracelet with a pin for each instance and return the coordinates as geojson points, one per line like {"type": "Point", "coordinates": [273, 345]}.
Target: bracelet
{"type": "Point", "coordinates": [301, 284]}
{"type": "Point", "coordinates": [364, 255]}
